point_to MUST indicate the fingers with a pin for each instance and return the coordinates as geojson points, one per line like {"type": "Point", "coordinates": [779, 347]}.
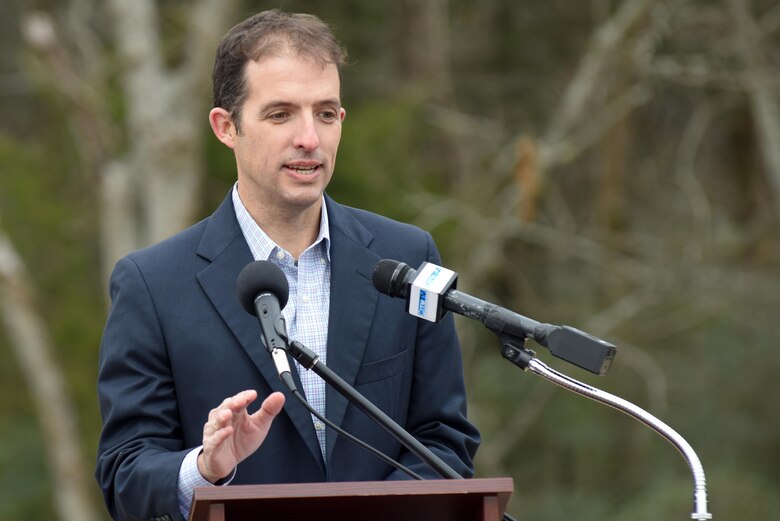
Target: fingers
{"type": "Point", "coordinates": [213, 440]}
{"type": "Point", "coordinates": [239, 401]}
{"type": "Point", "coordinates": [214, 461]}
{"type": "Point", "coordinates": [221, 450]}
{"type": "Point", "coordinates": [230, 434]}
{"type": "Point", "coordinates": [229, 409]}
{"type": "Point", "coordinates": [222, 419]}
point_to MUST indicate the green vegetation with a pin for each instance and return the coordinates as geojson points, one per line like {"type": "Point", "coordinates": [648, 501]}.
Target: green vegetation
{"type": "Point", "coordinates": [655, 225]}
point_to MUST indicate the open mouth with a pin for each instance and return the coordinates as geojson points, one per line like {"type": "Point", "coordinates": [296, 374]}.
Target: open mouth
{"type": "Point", "coordinates": [303, 170]}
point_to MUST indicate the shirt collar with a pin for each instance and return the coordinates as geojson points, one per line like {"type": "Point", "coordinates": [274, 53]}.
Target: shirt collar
{"type": "Point", "coordinates": [260, 244]}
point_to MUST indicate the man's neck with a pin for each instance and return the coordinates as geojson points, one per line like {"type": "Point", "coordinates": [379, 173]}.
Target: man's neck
{"type": "Point", "coordinates": [294, 231]}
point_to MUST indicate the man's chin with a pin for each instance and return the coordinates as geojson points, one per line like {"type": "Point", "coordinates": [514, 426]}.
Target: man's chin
{"type": "Point", "coordinates": [304, 200]}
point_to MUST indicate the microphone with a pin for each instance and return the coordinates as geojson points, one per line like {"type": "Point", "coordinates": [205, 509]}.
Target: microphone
{"type": "Point", "coordinates": [263, 291]}
{"type": "Point", "coordinates": [430, 292]}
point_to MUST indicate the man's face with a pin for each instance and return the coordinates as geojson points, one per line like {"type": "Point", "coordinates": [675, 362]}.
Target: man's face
{"type": "Point", "coordinates": [290, 132]}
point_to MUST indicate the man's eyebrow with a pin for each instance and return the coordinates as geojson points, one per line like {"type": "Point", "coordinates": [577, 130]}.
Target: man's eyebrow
{"type": "Point", "coordinates": [281, 104]}
{"type": "Point", "coordinates": [272, 105]}
{"type": "Point", "coordinates": [330, 101]}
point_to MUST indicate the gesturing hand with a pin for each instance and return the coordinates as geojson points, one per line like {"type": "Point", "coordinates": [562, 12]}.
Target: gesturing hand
{"type": "Point", "coordinates": [231, 434]}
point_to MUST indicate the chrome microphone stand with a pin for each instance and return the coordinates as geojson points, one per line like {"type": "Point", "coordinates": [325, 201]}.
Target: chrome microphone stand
{"type": "Point", "coordinates": [514, 350]}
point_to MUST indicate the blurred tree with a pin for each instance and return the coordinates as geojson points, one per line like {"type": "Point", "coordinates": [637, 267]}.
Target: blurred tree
{"type": "Point", "coordinates": [422, 35]}
{"type": "Point", "coordinates": [142, 197]}
{"type": "Point", "coordinates": [28, 335]}
{"type": "Point", "coordinates": [148, 176]}
{"type": "Point", "coordinates": [760, 89]}
{"type": "Point", "coordinates": [609, 207]}
{"type": "Point", "coordinates": [608, 164]}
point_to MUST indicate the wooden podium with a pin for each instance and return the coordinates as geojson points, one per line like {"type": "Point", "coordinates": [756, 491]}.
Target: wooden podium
{"type": "Point", "coordinates": [430, 500]}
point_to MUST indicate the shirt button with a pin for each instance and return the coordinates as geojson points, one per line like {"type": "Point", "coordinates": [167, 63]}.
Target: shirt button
{"type": "Point", "coordinates": [318, 425]}
{"type": "Point", "coordinates": [305, 299]}
{"type": "Point", "coordinates": [280, 255]}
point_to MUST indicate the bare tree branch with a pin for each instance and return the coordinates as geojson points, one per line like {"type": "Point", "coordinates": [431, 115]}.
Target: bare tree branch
{"type": "Point", "coordinates": [605, 42]}
{"type": "Point", "coordinates": [76, 79]}
{"type": "Point", "coordinates": [770, 21]}
{"type": "Point", "coordinates": [700, 75]}
{"type": "Point", "coordinates": [763, 97]}
{"type": "Point", "coordinates": [495, 231]}
{"type": "Point", "coordinates": [568, 148]}
{"type": "Point", "coordinates": [691, 140]}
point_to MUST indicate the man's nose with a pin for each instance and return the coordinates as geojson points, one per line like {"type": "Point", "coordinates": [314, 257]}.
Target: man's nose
{"type": "Point", "coordinates": [306, 136]}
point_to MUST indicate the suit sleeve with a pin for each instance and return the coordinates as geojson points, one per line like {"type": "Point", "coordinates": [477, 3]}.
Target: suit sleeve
{"type": "Point", "coordinates": [437, 407]}
{"type": "Point", "coordinates": [140, 448]}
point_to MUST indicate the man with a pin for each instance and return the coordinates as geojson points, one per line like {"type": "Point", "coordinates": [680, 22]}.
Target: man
{"type": "Point", "coordinates": [182, 366]}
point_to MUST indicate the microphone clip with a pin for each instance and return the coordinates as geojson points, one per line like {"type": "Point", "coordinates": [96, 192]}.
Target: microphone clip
{"type": "Point", "coordinates": [513, 349]}
{"type": "Point", "coordinates": [305, 356]}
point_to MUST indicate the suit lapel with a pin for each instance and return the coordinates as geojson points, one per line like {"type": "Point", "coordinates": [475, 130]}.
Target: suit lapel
{"type": "Point", "coordinates": [352, 303]}
{"type": "Point", "coordinates": [223, 244]}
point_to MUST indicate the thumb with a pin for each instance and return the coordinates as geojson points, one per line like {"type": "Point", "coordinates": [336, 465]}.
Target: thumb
{"type": "Point", "coordinates": [270, 407]}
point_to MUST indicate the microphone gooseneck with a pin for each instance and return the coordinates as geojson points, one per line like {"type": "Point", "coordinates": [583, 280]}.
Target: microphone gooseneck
{"type": "Point", "coordinates": [396, 279]}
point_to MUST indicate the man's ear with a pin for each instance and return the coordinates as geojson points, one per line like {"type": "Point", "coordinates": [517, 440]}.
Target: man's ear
{"type": "Point", "coordinates": [223, 127]}
{"type": "Point", "coordinates": [342, 113]}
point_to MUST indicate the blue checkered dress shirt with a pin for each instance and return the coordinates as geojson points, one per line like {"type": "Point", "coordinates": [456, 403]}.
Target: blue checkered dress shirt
{"type": "Point", "coordinates": [306, 315]}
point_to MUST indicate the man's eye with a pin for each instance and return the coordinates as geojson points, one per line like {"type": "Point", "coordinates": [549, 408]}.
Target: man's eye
{"type": "Point", "coordinates": [279, 116]}
{"type": "Point", "coordinates": [328, 115]}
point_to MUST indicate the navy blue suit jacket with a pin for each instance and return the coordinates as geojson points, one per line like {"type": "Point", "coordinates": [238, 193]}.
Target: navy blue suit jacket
{"type": "Point", "coordinates": [177, 342]}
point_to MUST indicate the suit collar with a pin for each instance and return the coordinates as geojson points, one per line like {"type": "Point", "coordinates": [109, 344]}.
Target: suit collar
{"type": "Point", "coordinates": [221, 232]}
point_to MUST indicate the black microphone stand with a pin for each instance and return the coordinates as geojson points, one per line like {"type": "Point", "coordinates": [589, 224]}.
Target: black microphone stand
{"type": "Point", "coordinates": [309, 360]}
{"type": "Point", "coordinates": [513, 349]}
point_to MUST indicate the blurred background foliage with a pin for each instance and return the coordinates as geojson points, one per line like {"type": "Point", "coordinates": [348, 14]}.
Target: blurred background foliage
{"type": "Point", "coordinates": [609, 164]}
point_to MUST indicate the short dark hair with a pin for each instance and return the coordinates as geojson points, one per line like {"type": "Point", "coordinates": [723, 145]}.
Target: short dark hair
{"type": "Point", "coordinates": [261, 35]}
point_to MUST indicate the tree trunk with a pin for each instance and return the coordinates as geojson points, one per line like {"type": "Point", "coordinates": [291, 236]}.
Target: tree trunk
{"type": "Point", "coordinates": [153, 192]}
{"type": "Point", "coordinates": [423, 48]}
{"type": "Point", "coordinates": [31, 344]}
